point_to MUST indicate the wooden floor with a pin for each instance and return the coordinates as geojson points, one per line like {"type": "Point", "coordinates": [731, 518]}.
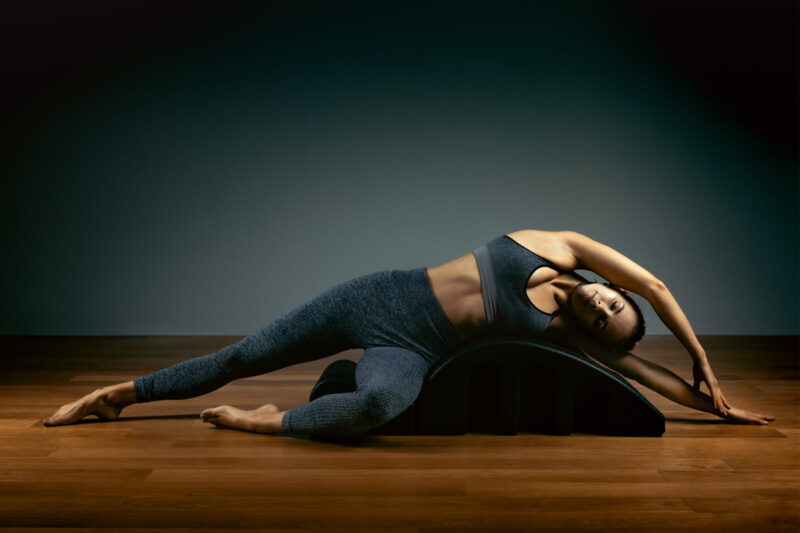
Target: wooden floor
{"type": "Point", "coordinates": [160, 466]}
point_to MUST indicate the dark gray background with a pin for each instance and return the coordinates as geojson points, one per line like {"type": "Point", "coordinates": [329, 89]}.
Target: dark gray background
{"type": "Point", "coordinates": [192, 169]}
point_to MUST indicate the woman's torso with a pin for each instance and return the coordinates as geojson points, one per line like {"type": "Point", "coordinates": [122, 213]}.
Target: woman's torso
{"type": "Point", "coordinates": [457, 286]}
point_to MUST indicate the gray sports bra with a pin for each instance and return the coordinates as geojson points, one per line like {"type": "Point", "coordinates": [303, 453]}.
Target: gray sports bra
{"type": "Point", "coordinates": [505, 266]}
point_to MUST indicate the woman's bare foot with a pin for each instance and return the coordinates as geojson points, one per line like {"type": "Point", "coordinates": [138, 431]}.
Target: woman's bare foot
{"type": "Point", "coordinates": [265, 419]}
{"type": "Point", "coordinates": [94, 403]}
{"type": "Point", "coordinates": [105, 403]}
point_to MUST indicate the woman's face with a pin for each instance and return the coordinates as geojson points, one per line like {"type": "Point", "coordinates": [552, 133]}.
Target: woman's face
{"type": "Point", "coordinates": [604, 312]}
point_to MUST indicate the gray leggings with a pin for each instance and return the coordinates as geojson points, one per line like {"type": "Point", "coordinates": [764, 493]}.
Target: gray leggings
{"type": "Point", "coordinates": [392, 314]}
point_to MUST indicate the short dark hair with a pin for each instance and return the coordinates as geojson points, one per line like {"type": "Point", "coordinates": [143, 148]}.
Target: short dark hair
{"type": "Point", "coordinates": [625, 345]}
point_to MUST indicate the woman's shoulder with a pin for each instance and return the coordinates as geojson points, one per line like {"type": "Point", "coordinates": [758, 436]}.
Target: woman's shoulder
{"type": "Point", "coordinates": [550, 245]}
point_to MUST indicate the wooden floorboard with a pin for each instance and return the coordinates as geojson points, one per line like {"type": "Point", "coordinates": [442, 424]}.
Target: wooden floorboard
{"type": "Point", "coordinates": [160, 467]}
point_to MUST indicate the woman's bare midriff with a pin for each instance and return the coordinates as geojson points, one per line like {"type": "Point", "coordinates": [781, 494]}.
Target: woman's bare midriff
{"type": "Point", "coordinates": [457, 286]}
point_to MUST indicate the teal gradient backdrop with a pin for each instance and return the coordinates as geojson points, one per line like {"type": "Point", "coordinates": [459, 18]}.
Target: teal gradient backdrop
{"type": "Point", "coordinates": [212, 181]}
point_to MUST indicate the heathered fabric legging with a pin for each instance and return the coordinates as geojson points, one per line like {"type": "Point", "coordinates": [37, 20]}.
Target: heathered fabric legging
{"type": "Point", "coordinates": [392, 314]}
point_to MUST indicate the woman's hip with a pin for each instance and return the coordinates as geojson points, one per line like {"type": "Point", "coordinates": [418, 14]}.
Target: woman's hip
{"type": "Point", "coordinates": [391, 308]}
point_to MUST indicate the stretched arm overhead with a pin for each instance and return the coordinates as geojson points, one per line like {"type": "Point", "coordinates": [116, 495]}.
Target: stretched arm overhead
{"type": "Point", "coordinates": [669, 385]}
{"type": "Point", "coordinates": [623, 272]}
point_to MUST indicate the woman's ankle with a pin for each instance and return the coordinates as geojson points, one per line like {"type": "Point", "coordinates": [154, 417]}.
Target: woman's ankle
{"type": "Point", "coordinates": [121, 394]}
{"type": "Point", "coordinates": [267, 422]}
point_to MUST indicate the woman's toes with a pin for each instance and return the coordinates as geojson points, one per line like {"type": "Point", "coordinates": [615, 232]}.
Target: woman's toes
{"type": "Point", "coordinates": [56, 418]}
{"type": "Point", "coordinates": [50, 420]}
{"type": "Point", "coordinates": [227, 416]}
{"type": "Point", "coordinates": [67, 414]}
{"type": "Point", "coordinates": [213, 411]}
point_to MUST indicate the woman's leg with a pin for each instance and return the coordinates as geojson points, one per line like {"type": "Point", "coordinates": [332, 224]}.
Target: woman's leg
{"type": "Point", "coordinates": [313, 330]}
{"type": "Point", "coordinates": [322, 326]}
{"type": "Point", "coordinates": [388, 381]}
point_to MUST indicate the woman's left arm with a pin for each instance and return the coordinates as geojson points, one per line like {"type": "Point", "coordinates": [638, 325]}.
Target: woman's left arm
{"type": "Point", "coordinates": [671, 314]}
{"type": "Point", "coordinates": [623, 272]}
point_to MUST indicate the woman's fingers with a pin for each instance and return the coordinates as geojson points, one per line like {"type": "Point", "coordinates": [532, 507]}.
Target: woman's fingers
{"type": "Point", "coordinates": [725, 400]}
{"type": "Point", "coordinates": [719, 403]}
{"type": "Point", "coordinates": [743, 416]}
{"type": "Point", "coordinates": [701, 372]}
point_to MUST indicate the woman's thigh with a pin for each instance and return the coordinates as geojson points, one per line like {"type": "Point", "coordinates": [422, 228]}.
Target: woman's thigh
{"type": "Point", "coordinates": [392, 377]}
{"type": "Point", "coordinates": [338, 319]}
{"type": "Point", "coordinates": [390, 308]}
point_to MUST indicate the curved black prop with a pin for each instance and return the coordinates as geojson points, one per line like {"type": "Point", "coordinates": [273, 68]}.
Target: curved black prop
{"type": "Point", "coordinates": [505, 385]}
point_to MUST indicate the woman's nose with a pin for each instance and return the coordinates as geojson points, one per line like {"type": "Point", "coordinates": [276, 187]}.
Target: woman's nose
{"type": "Point", "coordinates": [596, 303]}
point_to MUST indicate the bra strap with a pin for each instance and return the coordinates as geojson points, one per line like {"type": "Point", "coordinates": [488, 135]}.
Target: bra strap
{"type": "Point", "coordinates": [488, 284]}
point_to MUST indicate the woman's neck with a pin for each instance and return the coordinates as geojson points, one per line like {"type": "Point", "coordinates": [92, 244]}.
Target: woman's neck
{"type": "Point", "coordinates": [563, 285]}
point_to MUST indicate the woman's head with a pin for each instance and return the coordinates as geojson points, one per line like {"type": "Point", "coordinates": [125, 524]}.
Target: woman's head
{"type": "Point", "coordinates": [607, 315]}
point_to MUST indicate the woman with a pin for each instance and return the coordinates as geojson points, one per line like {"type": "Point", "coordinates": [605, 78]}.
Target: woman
{"type": "Point", "coordinates": [407, 320]}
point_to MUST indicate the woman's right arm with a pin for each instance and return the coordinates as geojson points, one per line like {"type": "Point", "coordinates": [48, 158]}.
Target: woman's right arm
{"type": "Point", "coordinates": [670, 385]}
{"type": "Point", "coordinates": [623, 272]}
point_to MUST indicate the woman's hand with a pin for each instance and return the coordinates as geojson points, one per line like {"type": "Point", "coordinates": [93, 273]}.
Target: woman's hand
{"type": "Point", "coordinates": [702, 372]}
{"type": "Point", "coordinates": [740, 416]}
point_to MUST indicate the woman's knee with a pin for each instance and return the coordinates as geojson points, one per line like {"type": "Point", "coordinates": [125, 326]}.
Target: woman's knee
{"type": "Point", "coordinates": [347, 414]}
{"type": "Point", "coordinates": [229, 359]}
{"type": "Point", "coordinates": [382, 405]}
{"type": "Point", "coordinates": [370, 408]}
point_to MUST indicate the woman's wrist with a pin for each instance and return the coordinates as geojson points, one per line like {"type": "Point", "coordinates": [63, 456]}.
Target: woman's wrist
{"type": "Point", "coordinates": [704, 402]}
{"type": "Point", "coordinates": [698, 356]}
